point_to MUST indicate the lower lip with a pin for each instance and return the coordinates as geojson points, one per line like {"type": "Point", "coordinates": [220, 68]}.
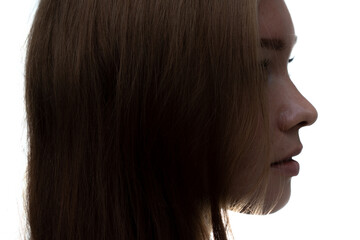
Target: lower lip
{"type": "Point", "coordinates": [289, 168]}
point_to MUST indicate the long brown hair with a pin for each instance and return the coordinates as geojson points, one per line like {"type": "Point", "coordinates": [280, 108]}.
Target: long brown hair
{"type": "Point", "coordinates": [139, 114]}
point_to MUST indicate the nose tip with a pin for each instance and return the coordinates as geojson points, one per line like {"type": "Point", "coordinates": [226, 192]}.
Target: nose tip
{"type": "Point", "coordinates": [298, 114]}
{"type": "Point", "coordinates": [312, 115]}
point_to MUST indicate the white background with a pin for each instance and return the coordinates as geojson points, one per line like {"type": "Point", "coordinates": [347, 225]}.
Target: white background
{"type": "Point", "coordinates": [326, 194]}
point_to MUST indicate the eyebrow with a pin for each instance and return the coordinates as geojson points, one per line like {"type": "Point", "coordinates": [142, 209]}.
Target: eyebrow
{"type": "Point", "coordinates": [274, 43]}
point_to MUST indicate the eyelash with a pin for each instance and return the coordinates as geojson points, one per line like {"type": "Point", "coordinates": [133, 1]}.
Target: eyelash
{"type": "Point", "coordinates": [266, 62]}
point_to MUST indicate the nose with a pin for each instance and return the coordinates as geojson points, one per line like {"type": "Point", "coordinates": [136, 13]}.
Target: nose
{"type": "Point", "coordinates": [298, 112]}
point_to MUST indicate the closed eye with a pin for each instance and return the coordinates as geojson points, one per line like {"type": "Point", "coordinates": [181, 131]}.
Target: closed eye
{"type": "Point", "coordinates": [265, 63]}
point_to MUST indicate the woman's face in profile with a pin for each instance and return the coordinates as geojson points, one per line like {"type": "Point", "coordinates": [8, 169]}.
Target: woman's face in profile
{"type": "Point", "coordinates": [288, 109]}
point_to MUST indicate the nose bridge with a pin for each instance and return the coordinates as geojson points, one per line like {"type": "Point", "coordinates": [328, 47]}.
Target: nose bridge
{"type": "Point", "coordinates": [297, 111]}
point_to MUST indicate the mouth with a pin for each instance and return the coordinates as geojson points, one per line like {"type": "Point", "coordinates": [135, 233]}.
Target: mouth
{"type": "Point", "coordinates": [274, 164]}
{"type": "Point", "coordinates": [288, 166]}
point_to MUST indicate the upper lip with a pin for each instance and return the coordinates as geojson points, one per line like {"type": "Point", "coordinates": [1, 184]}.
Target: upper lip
{"type": "Point", "coordinates": [296, 151]}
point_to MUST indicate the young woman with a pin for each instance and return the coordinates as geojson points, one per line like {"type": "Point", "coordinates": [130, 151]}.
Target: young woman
{"type": "Point", "coordinates": [149, 119]}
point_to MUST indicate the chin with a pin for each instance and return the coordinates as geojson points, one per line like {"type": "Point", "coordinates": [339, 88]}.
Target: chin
{"type": "Point", "coordinates": [278, 193]}
{"type": "Point", "coordinates": [276, 197]}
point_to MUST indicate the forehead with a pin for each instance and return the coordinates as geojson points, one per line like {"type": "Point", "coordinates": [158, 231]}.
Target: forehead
{"type": "Point", "coordinates": [275, 20]}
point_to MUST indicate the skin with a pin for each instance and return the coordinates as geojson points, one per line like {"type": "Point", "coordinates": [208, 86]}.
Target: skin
{"type": "Point", "coordinates": [289, 110]}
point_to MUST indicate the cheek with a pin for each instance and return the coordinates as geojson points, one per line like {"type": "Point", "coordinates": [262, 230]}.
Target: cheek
{"type": "Point", "coordinates": [251, 176]}
{"type": "Point", "coordinates": [246, 181]}
{"type": "Point", "coordinates": [276, 95]}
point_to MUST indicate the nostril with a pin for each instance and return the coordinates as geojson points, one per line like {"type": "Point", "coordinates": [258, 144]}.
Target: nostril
{"type": "Point", "coordinates": [303, 124]}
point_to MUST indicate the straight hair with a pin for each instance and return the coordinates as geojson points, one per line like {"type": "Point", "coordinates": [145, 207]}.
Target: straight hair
{"type": "Point", "coordinates": [139, 115]}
